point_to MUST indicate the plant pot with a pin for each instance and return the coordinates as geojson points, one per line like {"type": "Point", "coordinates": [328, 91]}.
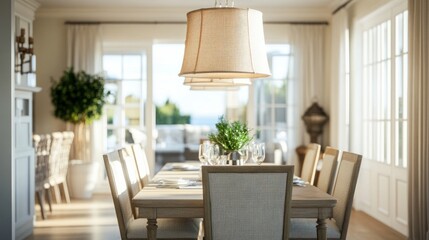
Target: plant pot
{"type": "Point", "coordinates": [82, 178]}
{"type": "Point", "coordinates": [237, 158]}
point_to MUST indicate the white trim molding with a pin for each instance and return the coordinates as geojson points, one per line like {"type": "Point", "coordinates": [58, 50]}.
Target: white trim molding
{"type": "Point", "coordinates": [174, 14]}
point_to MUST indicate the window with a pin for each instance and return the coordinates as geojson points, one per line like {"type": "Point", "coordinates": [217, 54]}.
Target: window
{"type": "Point", "coordinates": [273, 97]}
{"type": "Point", "coordinates": [401, 89]}
{"type": "Point", "coordinates": [124, 110]}
{"type": "Point", "coordinates": [385, 91]}
{"type": "Point", "coordinates": [203, 107]}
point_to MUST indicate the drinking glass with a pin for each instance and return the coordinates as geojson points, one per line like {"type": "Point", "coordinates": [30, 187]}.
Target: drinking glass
{"type": "Point", "coordinates": [244, 154]}
{"type": "Point", "coordinates": [203, 151]}
{"type": "Point", "coordinates": [258, 153]}
{"type": "Point", "coordinates": [213, 155]}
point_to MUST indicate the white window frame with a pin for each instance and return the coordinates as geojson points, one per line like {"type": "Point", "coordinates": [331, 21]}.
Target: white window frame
{"type": "Point", "coordinates": [371, 145]}
{"type": "Point", "coordinates": [289, 106]}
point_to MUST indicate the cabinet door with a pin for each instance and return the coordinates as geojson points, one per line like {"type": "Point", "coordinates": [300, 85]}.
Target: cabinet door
{"type": "Point", "coordinates": [23, 121]}
{"type": "Point", "coordinates": [24, 164]}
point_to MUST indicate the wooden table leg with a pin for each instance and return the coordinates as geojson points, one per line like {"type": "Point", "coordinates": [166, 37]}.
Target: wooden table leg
{"type": "Point", "coordinates": [151, 229]}
{"type": "Point", "coordinates": [321, 229]}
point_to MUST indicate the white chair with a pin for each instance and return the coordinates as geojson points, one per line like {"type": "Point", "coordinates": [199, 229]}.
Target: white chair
{"type": "Point", "coordinates": [329, 168]}
{"type": "Point", "coordinates": [246, 202]}
{"type": "Point", "coordinates": [142, 163]}
{"type": "Point", "coordinates": [63, 163]}
{"type": "Point", "coordinates": [131, 228]}
{"type": "Point", "coordinates": [130, 173]}
{"type": "Point", "coordinates": [41, 144]}
{"type": "Point", "coordinates": [309, 165]}
{"type": "Point", "coordinates": [54, 165]}
{"type": "Point", "coordinates": [343, 191]}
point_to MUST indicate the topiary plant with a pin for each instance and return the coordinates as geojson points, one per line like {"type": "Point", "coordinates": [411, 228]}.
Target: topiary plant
{"type": "Point", "coordinates": [231, 136]}
{"type": "Point", "coordinates": [78, 97]}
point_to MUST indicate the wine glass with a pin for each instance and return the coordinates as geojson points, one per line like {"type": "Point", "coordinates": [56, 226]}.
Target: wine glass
{"type": "Point", "coordinates": [258, 153]}
{"type": "Point", "coordinates": [213, 155]}
{"type": "Point", "coordinates": [244, 154]}
{"type": "Point", "coordinates": [203, 152]}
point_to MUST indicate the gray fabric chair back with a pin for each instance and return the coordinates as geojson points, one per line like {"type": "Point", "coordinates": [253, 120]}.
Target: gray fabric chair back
{"type": "Point", "coordinates": [131, 174]}
{"type": "Point", "coordinates": [142, 164]}
{"type": "Point", "coordinates": [310, 162]}
{"type": "Point", "coordinates": [329, 168]}
{"type": "Point", "coordinates": [344, 189]}
{"type": "Point", "coordinates": [247, 202]}
{"type": "Point", "coordinates": [118, 188]}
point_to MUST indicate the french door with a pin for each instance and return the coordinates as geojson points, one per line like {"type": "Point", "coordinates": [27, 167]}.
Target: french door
{"type": "Point", "coordinates": [381, 131]}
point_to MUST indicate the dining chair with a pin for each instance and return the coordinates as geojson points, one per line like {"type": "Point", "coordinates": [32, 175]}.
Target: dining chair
{"type": "Point", "coordinates": [247, 202]}
{"type": "Point", "coordinates": [135, 228]}
{"type": "Point", "coordinates": [343, 191]}
{"type": "Point", "coordinates": [309, 165]}
{"type": "Point", "coordinates": [41, 144]}
{"type": "Point", "coordinates": [132, 179]}
{"type": "Point", "coordinates": [54, 165]}
{"type": "Point", "coordinates": [329, 168]}
{"type": "Point", "coordinates": [142, 163]}
{"type": "Point", "coordinates": [63, 163]}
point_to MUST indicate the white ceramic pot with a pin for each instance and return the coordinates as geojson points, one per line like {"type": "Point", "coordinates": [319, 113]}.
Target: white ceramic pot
{"type": "Point", "coordinates": [82, 178]}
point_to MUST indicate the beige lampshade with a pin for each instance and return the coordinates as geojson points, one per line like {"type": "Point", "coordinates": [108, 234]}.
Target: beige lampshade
{"type": "Point", "coordinates": [220, 82]}
{"type": "Point", "coordinates": [225, 43]}
{"type": "Point", "coordinates": [213, 88]}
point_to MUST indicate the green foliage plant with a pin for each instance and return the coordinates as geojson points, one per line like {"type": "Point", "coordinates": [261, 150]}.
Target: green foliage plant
{"type": "Point", "coordinates": [231, 136]}
{"type": "Point", "coordinates": [78, 97]}
{"type": "Point", "coordinates": [169, 113]}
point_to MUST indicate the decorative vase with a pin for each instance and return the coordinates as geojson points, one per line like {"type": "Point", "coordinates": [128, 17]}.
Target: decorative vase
{"type": "Point", "coordinates": [237, 158]}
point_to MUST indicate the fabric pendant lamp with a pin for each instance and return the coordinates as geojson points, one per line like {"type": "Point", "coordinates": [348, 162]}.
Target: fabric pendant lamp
{"type": "Point", "coordinates": [213, 88]}
{"type": "Point", "coordinates": [220, 82]}
{"type": "Point", "coordinates": [225, 42]}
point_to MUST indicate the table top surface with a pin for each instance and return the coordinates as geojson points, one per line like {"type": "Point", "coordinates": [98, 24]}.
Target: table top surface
{"type": "Point", "coordinates": [154, 196]}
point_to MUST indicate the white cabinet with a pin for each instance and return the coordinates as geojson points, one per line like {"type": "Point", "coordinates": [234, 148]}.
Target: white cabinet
{"type": "Point", "coordinates": [24, 163]}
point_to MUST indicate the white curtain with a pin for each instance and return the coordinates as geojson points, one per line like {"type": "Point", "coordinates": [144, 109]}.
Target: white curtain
{"type": "Point", "coordinates": [84, 52]}
{"type": "Point", "coordinates": [308, 43]}
{"type": "Point", "coordinates": [337, 118]}
{"type": "Point", "coordinates": [418, 138]}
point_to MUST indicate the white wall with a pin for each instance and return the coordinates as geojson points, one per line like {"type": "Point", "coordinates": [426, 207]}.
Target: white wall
{"type": "Point", "coordinates": [50, 49]}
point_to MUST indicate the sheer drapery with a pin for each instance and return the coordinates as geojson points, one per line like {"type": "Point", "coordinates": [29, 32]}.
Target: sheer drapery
{"type": "Point", "coordinates": [418, 138]}
{"type": "Point", "coordinates": [84, 52]}
{"type": "Point", "coordinates": [308, 43]}
{"type": "Point", "coordinates": [339, 26]}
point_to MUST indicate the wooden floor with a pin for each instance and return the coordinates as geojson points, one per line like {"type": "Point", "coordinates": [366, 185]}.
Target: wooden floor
{"type": "Point", "coordinates": [96, 220]}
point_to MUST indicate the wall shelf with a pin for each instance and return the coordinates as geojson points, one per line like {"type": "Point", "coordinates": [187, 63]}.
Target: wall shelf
{"type": "Point", "coordinates": [28, 88]}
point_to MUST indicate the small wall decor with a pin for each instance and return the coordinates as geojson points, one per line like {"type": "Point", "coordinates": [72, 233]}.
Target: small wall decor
{"type": "Point", "coordinates": [24, 51]}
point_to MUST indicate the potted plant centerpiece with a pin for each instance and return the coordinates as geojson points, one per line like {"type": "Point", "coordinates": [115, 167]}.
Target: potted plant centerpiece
{"type": "Point", "coordinates": [232, 138]}
{"type": "Point", "coordinates": [78, 99]}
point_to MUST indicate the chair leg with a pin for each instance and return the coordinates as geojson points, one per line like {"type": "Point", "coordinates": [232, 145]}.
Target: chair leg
{"type": "Point", "coordinates": [56, 191]}
{"type": "Point", "coordinates": [41, 198]}
{"type": "Point", "coordinates": [49, 197]}
{"type": "Point", "coordinates": [66, 191]}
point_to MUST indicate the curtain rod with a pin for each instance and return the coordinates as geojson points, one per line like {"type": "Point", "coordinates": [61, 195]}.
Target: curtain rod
{"type": "Point", "coordinates": [341, 6]}
{"type": "Point", "coordinates": [179, 22]}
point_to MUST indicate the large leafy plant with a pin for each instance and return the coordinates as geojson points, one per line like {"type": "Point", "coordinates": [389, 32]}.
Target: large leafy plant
{"type": "Point", "coordinates": [78, 97]}
{"type": "Point", "coordinates": [231, 136]}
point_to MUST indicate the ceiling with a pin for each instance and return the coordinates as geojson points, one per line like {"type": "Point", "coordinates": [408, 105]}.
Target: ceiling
{"type": "Point", "coordinates": [330, 4]}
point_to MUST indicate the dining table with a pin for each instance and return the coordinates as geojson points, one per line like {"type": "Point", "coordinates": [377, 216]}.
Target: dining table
{"type": "Point", "coordinates": [176, 192]}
